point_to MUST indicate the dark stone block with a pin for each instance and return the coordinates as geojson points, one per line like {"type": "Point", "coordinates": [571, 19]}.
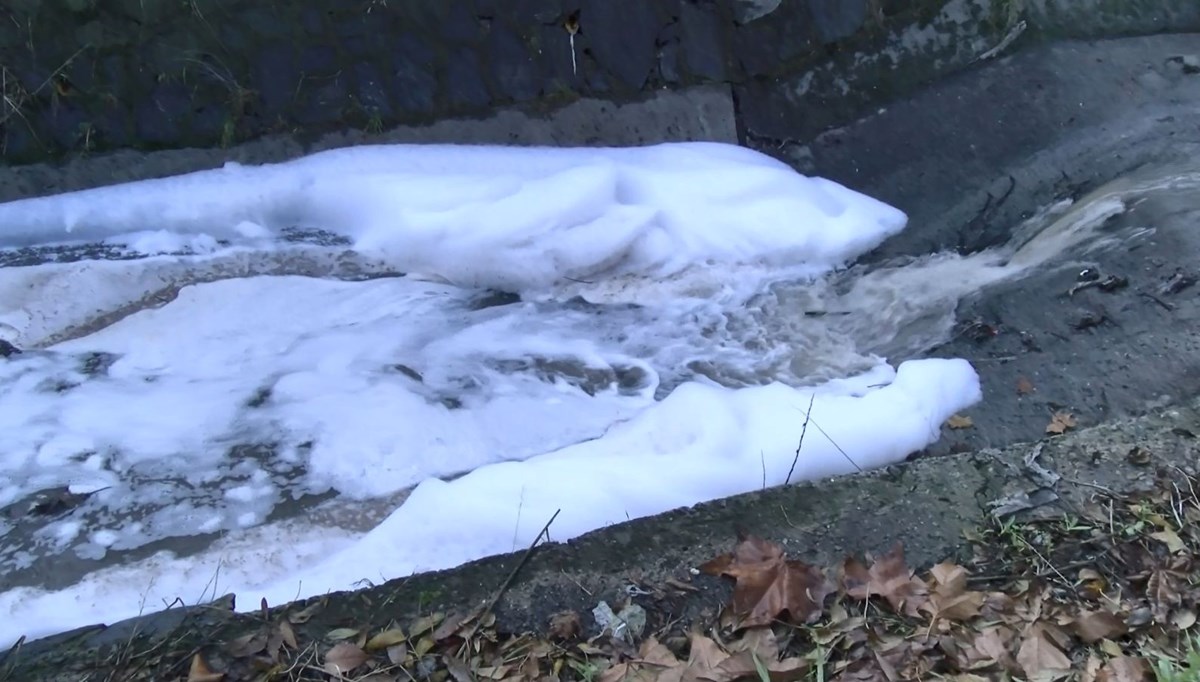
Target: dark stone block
{"type": "Point", "coordinates": [463, 84]}
{"type": "Point", "coordinates": [18, 142]}
{"type": "Point", "coordinates": [157, 118]}
{"type": "Point", "coordinates": [68, 125]}
{"type": "Point", "coordinates": [322, 101]}
{"type": "Point", "coordinates": [513, 69]}
{"type": "Point", "coordinates": [113, 129]}
{"type": "Point", "coordinates": [413, 83]}
{"type": "Point", "coordinates": [747, 11]}
{"type": "Point", "coordinates": [756, 48]}
{"type": "Point", "coordinates": [371, 92]}
{"type": "Point", "coordinates": [526, 12]}
{"type": "Point", "coordinates": [460, 26]}
{"type": "Point", "coordinates": [703, 42]}
{"type": "Point", "coordinates": [318, 60]}
{"type": "Point", "coordinates": [208, 123]}
{"type": "Point", "coordinates": [837, 19]}
{"type": "Point", "coordinates": [312, 20]}
{"type": "Point", "coordinates": [267, 21]}
{"type": "Point", "coordinates": [670, 54]}
{"type": "Point", "coordinates": [554, 55]}
{"type": "Point", "coordinates": [360, 37]}
{"type": "Point", "coordinates": [620, 36]}
{"type": "Point", "coordinates": [275, 79]}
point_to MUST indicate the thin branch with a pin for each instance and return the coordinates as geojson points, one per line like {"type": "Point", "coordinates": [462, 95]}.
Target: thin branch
{"type": "Point", "coordinates": [803, 430]}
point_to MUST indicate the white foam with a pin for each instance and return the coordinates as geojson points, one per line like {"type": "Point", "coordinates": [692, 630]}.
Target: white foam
{"type": "Point", "coordinates": [499, 413]}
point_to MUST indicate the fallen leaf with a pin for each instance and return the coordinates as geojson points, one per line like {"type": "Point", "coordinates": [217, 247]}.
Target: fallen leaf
{"type": "Point", "coordinates": [1171, 539]}
{"type": "Point", "coordinates": [458, 669]}
{"type": "Point", "coordinates": [1093, 626]}
{"type": "Point", "coordinates": [959, 421]}
{"type": "Point", "coordinates": [385, 639]}
{"type": "Point", "coordinates": [398, 653]}
{"type": "Point", "coordinates": [303, 616]}
{"type": "Point", "coordinates": [1060, 422]}
{"type": "Point", "coordinates": [1184, 619]}
{"type": "Point", "coordinates": [1125, 669]}
{"type": "Point", "coordinates": [1040, 658]}
{"type": "Point", "coordinates": [248, 644]}
{"type": "Point", "coordinates": [200, 672]}
{"type": "Point", "coordinates": [288, 633]}
{"type": "Point", "coordinates": [1025, 386]}
{"type": "Point", "coordinates": [344, 658]}
{"type": "Point", "coordinates": [424, 624]}
{"type": "Point", "coordinates": [565, 625]}
{"type": "Point", "coordinates": [769, 585]}
{"type": "Point", "coordinates": [339, 634]}
{"type": "Point", "coordinates": [894, 581]}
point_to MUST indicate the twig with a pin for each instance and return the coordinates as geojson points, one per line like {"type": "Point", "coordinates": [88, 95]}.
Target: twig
{"type": "Point", "coordinates": [491, 603]}
{"type": "Point", "coordinates": [803, 430]}
{"type": "Point", "coordinates": [839, 448]}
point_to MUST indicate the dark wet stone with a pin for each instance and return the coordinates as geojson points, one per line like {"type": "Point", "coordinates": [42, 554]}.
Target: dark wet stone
{"type": "Point", "coordinates": [318, 60]}
{"type": "Point", "coordinates": [670, 53]}
{"type": "Point", "coordinates": [460, 26]}
{"type": "Point", "coordinates": [275, 78]}
{"type": "Point", "coordinates": [746, 11]}
{"type": "Point", "coordinates": [837, 19]}
{"type": "Point", "coordinates": [158, 117]}
{"type": "Point", "coordinates": [513, 68]}
{"type": "Point", "coordinates": [266, 21]}
{"type": "Point", "coordinates": [756, 48]}
{"type": "Point", "coordinates": [621, 37]}
{"type": "Point", "coordinates": [7, 349]}
{"type": "Point", "coordinates": [69, 125]}
{"type": "Point", "coordinates": [462, 81]}
{"type": "Point", "coordinates": [554, 55]}
{"type": "Point", "coordinates": [323, 100]}
{"type": "Point", "coordinates": [370, 92]}
{"type": "Point", "coordinates": [703, 42]}
{"type": "Point", "coordinates": [413, 83]}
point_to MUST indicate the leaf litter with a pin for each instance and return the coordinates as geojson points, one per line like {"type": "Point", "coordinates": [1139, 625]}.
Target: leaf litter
{"type": "Point", "coordinates": [1109, 594]}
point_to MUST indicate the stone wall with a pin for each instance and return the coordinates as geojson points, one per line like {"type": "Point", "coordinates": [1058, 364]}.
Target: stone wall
{"type": "Point", "coordinates": [82, 76]}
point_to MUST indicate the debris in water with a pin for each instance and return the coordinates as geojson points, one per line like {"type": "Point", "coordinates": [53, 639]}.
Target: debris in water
{"type": "Point", "coordinates": [1177, 283]}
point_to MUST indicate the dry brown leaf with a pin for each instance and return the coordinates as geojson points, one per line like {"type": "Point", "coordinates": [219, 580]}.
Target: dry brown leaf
{"type": "Point", "coordinates": [458, 669]}
{"type": "Point", "coordinates": [425, 624]}
{"type": "Point", "coordinates": [200, 672]}
{"type": "Point", "coordinates": [768, 584]}
{"type": "Point", "coordinates": [959, 421]}
{"type": "Point", "coordinates": [1163, 590]}
{"type": "Point", "coordinates": [565, 625]}
{"type": "Point", "coordinates": [398, 653]}
{"type": "Point", "coordinates": [992, 645]}
{"type": "Point", "coordinates": [960, 608]}
{"type": "Point", "coordinates": [892, 580]}
{"type": "Point", "coordinates": [1125, 669]}
{"type": "Point", "coordinates": [1171, 539]}
{"type": "Point", "coordinates": [339, 634]}
{"type": "Point", "coordinates": [1025, 386]}
{"type": "Point", "coordinates": [1061, 422]}
{"type": "Point", "coordinates": [248, 644]}
{"type": "Point", "coordinates": [1093, 626]}
{"type": "Point", "coordinates": [385, 639]}
{"type": "Point", "coordinates": [288, 633]}
{"type": "Point", "coordinates": [1040, 658]}
{"type": "Point", "coordinates": [302, 616]}
{"type": "Point", "coordinates": [1183, 619]}
{"type": "Point", "coordinates": [950, 578]}
{"type": "Point", "coordinates": [705, 655]}
{"type": "Point", "coordinates": [344, 658]}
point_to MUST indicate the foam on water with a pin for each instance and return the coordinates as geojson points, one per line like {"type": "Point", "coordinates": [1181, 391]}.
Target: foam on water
{"type": "Point", "coordinates": [679, 307]}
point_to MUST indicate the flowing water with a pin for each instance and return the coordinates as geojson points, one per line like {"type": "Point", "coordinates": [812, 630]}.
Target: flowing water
{"type": "Point", "coordinates": [582, 360]}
